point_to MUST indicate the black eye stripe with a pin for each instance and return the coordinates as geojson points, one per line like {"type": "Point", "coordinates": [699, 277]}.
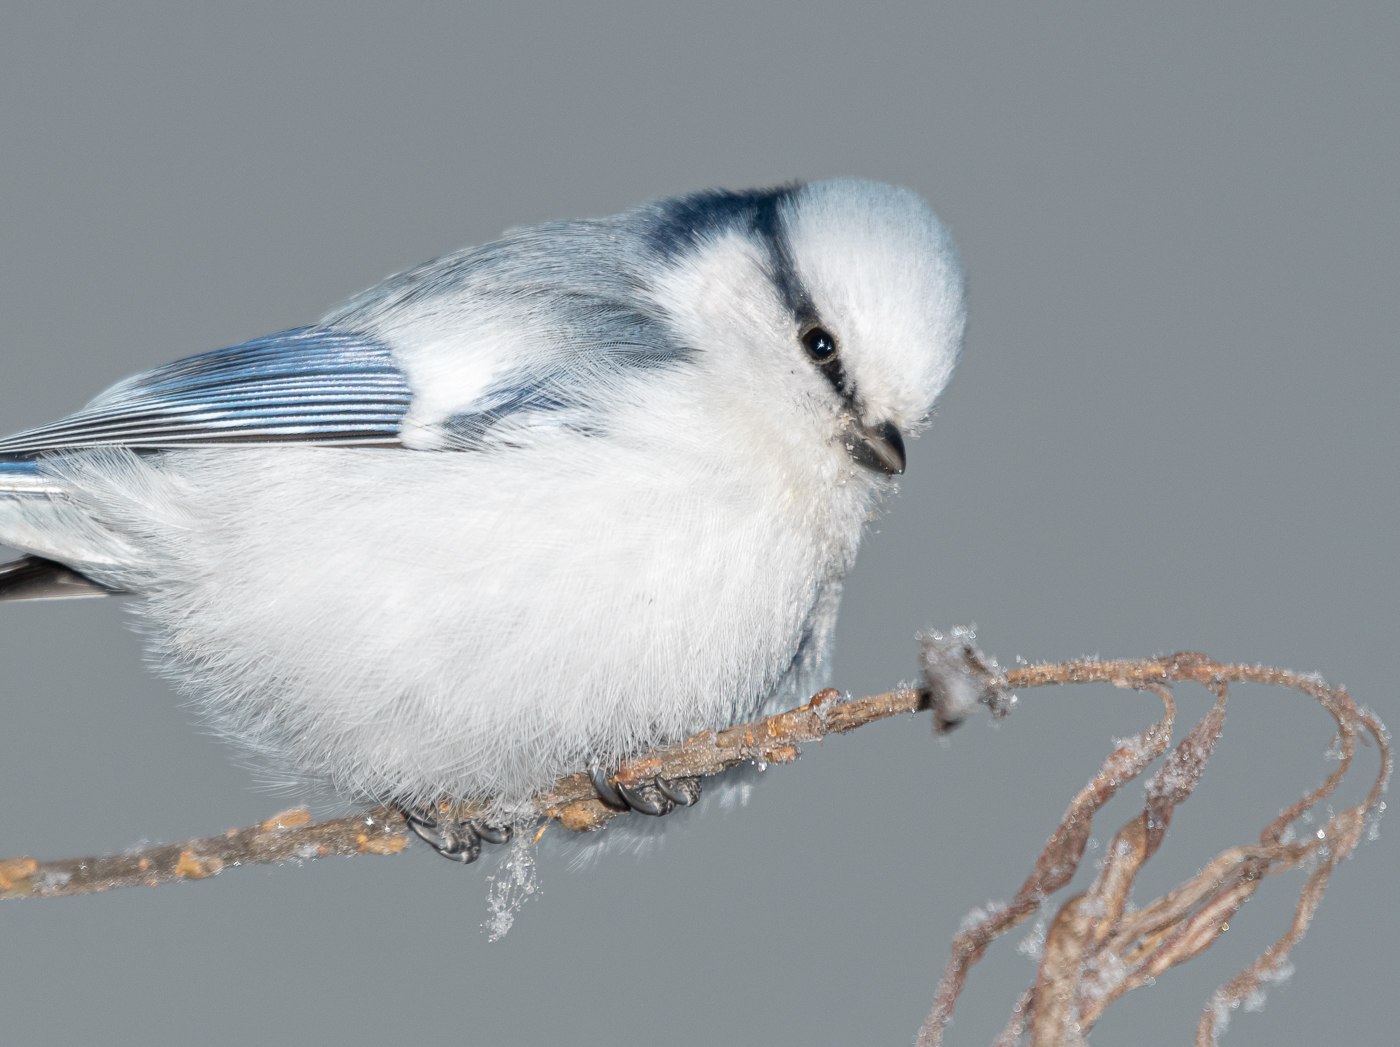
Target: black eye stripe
{"type": "Point", "coordinates": [783, 272]}
{"type": "Point", "coordinates": [834, 373]}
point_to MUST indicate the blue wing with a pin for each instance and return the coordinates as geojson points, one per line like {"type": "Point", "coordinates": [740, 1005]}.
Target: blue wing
{"type": "Point", "coordinates": [309, 385]}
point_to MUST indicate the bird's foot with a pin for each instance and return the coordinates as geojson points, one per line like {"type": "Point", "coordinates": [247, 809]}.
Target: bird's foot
{"type": "Point", "coordinates": [454, 840]}
{"type": "Point", "coordinates": [657, 797]}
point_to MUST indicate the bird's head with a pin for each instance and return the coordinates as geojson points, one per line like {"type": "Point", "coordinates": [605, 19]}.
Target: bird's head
{"type": "Point", "coordinates": [831, 311]}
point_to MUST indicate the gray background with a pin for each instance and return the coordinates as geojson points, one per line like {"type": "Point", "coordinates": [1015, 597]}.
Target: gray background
{"type": "Point", "coordinates": [1174, 428]}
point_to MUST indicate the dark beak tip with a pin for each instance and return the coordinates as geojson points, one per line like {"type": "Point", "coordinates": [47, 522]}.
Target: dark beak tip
{"type": "Point", "coordinates": [880, 447]}
{"type": "Point", "coordinates": [894, 442]}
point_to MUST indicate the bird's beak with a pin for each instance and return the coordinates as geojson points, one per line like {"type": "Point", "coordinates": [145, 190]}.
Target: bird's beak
{"type": "Point", "coordinates": [879, 447]}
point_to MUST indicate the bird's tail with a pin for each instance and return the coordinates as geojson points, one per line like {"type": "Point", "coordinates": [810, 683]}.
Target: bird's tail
{"type": "Point", "coordinates": [24, 491]}
{"type": "Point", "coordinates": [34, 578]}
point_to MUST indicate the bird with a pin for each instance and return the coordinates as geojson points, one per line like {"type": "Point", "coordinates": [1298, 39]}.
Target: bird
{"type": "Point", "coordinates": [531, 506]}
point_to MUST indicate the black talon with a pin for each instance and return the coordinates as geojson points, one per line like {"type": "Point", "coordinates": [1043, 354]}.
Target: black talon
{"type": "Point", "coordinates": [424, 826]}
{"type": "Point", "coordinates": [455, 841]}
{"type": "Point", "coordinates": [418, 819]}
{"type": "Point", "coordinates": [683, 792]}
{"type": "Point", "coordinates": [644, 804]}
{"type": "Point", "coordinates": [657, 797]}
{"type": "Point", "coordinates": [461, 844]}
{"type": "Point", "coordinates": [493, 833]}
{"type": "Point", "coordinates": [606, 790]}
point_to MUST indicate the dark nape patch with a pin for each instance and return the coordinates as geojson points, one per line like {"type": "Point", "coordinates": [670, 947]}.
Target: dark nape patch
{"type": "Point", "coordinates": [683, 223]}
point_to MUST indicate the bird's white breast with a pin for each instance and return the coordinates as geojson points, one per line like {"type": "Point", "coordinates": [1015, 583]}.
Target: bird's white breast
{"type": "Point", "coordinates": [411, 625]}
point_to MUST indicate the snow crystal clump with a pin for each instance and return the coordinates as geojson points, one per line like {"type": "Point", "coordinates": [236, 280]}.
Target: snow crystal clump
{"type": "Point", "coordinates": [513, 882]}
{"type": "Point", "coordinates": [980, 915]}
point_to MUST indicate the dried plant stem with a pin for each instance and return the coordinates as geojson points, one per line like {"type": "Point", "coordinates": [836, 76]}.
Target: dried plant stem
{"type": "Point", "coordinates": [1095, 949]}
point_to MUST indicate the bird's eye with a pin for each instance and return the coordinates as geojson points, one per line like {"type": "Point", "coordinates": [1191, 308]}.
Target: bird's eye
{"type": "Point", "coordinates": [820, 344]}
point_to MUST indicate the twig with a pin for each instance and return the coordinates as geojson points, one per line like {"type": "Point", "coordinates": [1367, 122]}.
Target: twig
{"type": "Point", "coordinates": [1095, 950]}
{"type": "Point", "coordinates": [572, 802]}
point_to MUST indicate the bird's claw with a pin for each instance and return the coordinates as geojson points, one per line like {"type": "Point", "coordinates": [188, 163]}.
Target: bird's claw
{"type": "Point", "coordinates": [683, 792]}
{"type": "Point", "coordinates": [645, 801]}
{"type": "Point", "coordinates": [455, 841]}
{"type": "Point", "coordinates": [657, 797]}
{"type": "Point", "coordinates": [493, 833]}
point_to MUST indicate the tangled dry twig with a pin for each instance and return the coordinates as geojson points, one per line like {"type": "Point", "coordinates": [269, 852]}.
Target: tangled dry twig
{"type": "Point", "coordinates": [1097, 950]}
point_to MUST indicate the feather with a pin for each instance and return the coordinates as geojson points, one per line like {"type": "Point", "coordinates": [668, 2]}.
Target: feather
{"type": "Point", "coordinates": [308, 385]}
{"type": "Point", "coordinates": [34, 578]}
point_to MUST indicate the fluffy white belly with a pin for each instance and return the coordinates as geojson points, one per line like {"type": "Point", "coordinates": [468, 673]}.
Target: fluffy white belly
{"type": "Point", "coordinates": [408, 626]}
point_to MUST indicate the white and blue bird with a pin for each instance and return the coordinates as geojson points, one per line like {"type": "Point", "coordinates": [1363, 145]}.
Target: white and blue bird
{"type": "Point", "coordinates": [535, 505]}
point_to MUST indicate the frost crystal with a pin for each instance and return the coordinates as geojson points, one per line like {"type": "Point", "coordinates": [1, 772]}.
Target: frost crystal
{"type": "Point", "coordinates": [980, 915]}
{"type": "Point", "coordinates": [1032, 946]}
{"type": "Point", "coordinates": [958, 677]}
{"type": "Point", "coordinates": [1279, 973]}
{"type": "Point", "coordinates": [1133, 747]}
{"type": "Point", "coordinates": [1220, 1007]}
{"type": "Point", "coordinates": [1108, 970]}
{"type": "Point", "coordinates": [1373, 822]}
{"type": "Point", "coordinates": [514, 880]}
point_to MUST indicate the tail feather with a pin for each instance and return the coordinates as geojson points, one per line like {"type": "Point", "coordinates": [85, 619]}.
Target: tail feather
{"type": "Point", "coordinates": [34, 578]}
